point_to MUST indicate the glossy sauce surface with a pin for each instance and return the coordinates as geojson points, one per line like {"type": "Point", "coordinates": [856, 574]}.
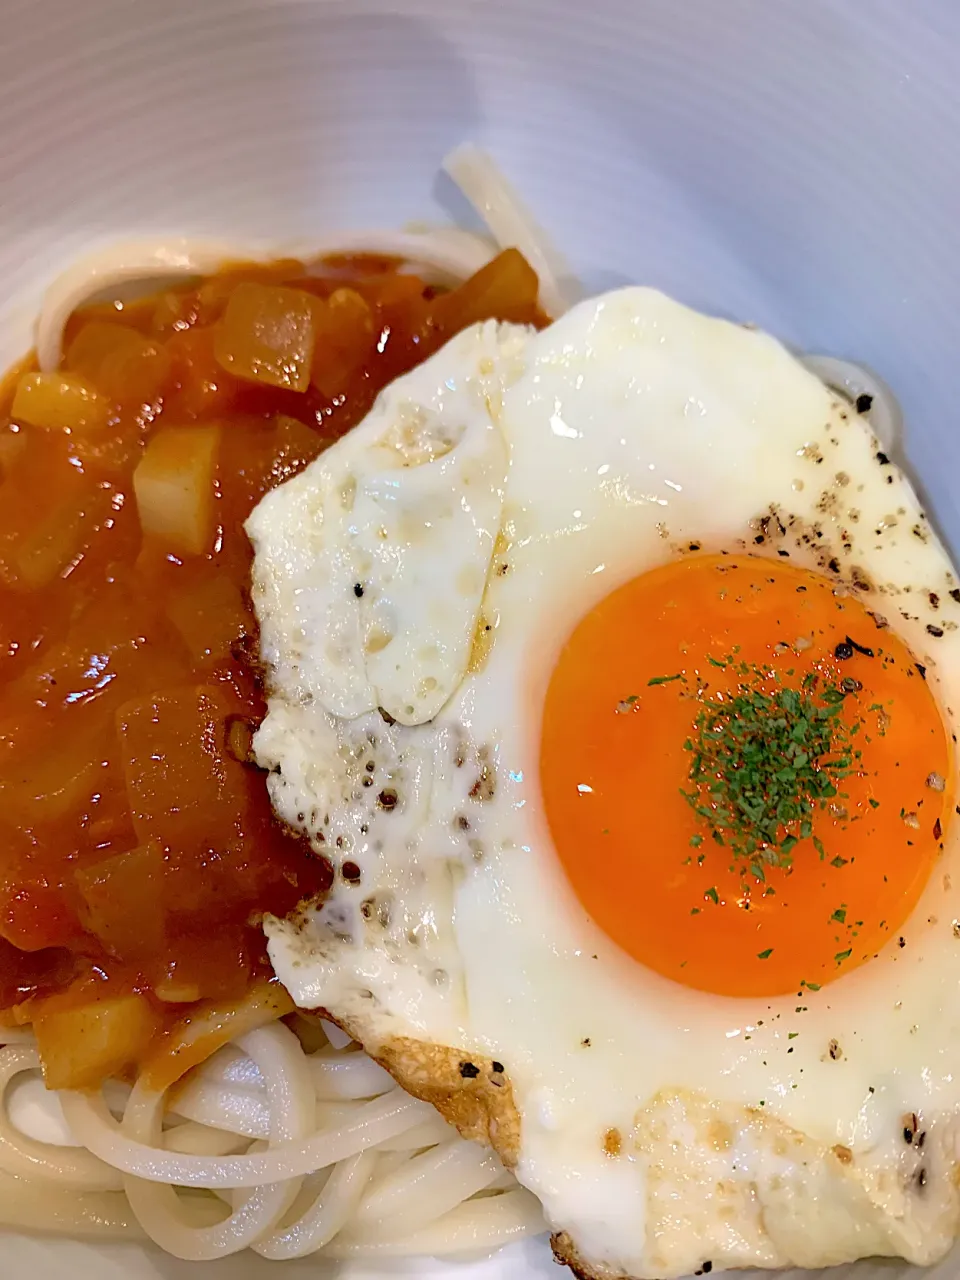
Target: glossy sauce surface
{"type": "Point", "coordinates": [137, 845]}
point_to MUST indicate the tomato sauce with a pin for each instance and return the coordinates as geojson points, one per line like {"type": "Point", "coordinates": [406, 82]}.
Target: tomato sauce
{"type": "Point", "coordinates": [138, 850]}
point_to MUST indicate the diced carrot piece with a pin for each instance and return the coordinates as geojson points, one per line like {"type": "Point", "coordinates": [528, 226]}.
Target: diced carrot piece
{"type": "Point", "coordinates": [267, 335]}
{"type": "Point", "coordinates": [210, 614]}
{"type": "Point", "coordinates": [79, 1047]}
{"type": "Point", "coordinates": [60, 402]}
{"type": "Point", "coordinates": [174, 484]}
{"type": "Point", "coordinates": [123, 900]}
{"type": "Point", "coordinates": [126, 366]}
{"type": "Point", "coordinates": [344, 339]}
{"type": "Point", "coordinates": [184, 789]}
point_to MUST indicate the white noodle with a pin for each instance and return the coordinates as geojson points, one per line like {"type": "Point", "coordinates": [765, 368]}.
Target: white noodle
{"type": "Point", "coordinates": [16, 1035]}
{"type": "Point", "coordinates": [373, 1122]}
{"type": "Point", "coordinates": [353, 1075]}
{"type": "Point", "coordinates": [471, 1227]}
{"type": "Point", "coordinates": [72, 1213]}
{"type": "Point", "coordinates": [339, 1039]}
{"type": "Point", "coordinates": [67, 1167]}
{"type": "Point", "coordinates": [281, 1061]}
{"type": "Point", "coordinates": [427, 1186]}
{"type": "Point", "coordinates": [331, 1209]}
{"type": "Point", "coordinates": [509, 220]}
{"type": "Point", "coordinates": [852, 380]}
{"type": "Point", "coordinates": [341, 1177]}
{"type": "Point", "coordinates": [202, 1140]}
{"type": "Point", "coordinates": [243, 1111]}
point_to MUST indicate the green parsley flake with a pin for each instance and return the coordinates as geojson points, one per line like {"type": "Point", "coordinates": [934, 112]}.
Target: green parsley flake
{"type": "Point", "coordinates": [843, 955]}
{"type": "Point", "coordinates": [839, 915]}
{"type": "Point", "coordinates": [696, 841]}
{"type": "Point", "coordinates": [712, 894]}
{"type": "Point", "coordinates": [765, 955]}
{"type": "Point", "coordinates": [765, 761]}
{"type": "Point", "coordinates": [664, 679]}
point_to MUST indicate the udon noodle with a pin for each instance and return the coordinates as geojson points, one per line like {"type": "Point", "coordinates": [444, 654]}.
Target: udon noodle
{"type": "Point", "coordinates": [282, 1143]}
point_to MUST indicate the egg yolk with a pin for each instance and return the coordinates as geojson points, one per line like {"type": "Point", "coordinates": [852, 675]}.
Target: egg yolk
{"type": "Point", "coordinates": [746, 776]}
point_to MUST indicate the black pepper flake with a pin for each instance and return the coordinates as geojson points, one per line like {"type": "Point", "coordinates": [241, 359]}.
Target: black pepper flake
{"type": "Point", "coordinates": [955, 594]}
{"type": "Point", "coordinates": [469, 1071]}
{"type": "Point", "coordinates": [921, 1139]}
{"type": "Point", "coordinates": [387, 799]}
{"type": "Point", "coordinates": [921, 668]}
{"type": "Point", "coordinates": [934, 600]}
{"type": "Point", "coordinates": [843, 650]}
{"type": "Point", "coordinates": [694, 546]}
{"type": "Point", "coordinates": [934, 631]}
{"type": "Point", "coordinates": [937, 830]}
{"type": "Point", "coordinates": [901, 943]}
{"type": "Point", "coordinates": [586, 1042]}
{"type": "Point", "coordinates": [358, 590]}
{"type": "Point", "coordinates": [908, 1136]}
{"type": "Point", "coordinates": [863, 403]}
{"type": "Point", "coordinates": [883, 459]}
{"type": "Point", "coordinates": [860, 648]}
{"type": "Point", "coordinates": [921, 1178]}
{"type": "Point", "coordinates": [497, 1068]}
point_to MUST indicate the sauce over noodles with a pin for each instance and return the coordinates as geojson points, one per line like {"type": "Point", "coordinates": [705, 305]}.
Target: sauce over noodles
{"type": "Point", "coordinates": [137, 845]}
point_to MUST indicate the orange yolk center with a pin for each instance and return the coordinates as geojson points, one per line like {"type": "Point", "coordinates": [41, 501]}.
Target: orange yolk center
{"type": "Point", "coordinates": [719, 700]}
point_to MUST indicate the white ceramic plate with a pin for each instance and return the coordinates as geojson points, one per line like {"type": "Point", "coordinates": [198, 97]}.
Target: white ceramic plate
{"type": "Point", "coordinates": [789, 162]}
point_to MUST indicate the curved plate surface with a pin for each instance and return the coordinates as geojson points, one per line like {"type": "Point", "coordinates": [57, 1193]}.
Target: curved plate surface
{"type": "Point", "coordinates": [786, 163]}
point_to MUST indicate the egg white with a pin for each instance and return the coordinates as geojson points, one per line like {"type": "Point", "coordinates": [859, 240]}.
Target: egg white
{"type": "Point", "coordinates": [754, 1132]}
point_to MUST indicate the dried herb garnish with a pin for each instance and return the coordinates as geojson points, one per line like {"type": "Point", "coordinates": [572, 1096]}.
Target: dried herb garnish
{"type": "Point", "coordinates": [765, 760]}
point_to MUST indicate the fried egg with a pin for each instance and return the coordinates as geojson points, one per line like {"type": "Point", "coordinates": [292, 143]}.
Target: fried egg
{"type": "Point", "coordinates": [517, 625]}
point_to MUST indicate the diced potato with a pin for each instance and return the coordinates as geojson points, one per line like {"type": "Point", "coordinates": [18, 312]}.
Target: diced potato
{"type": "Point", "coordinates": [174, 484]}
{"type": "Point", "coordinates": [60, 402]}
{"type": "Point", "coordinates": [202, 387]}
{"type": "Point", "coordinates": [123, 364]}
{"type": "Point", "coordinates": [46, 785]}
{"type": "Point", "coordinates": [122, 897]}
{"type": "Point", "coordinates": [296, 444]}
{"type": "Point", "coordinates": [79, 1047]}
{"type": "Point", "coordinates": [13, 445]}
{"type": "Point", "coordinates": [344, 339]}
{"type": "Point", "coordinates": [183, 788]}
{"type": "Point", "coordinates": [505, 289]}
{"type": "Point", "coordinates": [210, 614]}
{"type": "Point", "coordinates": [267, 335]}
{"type": "Point", "coordinates": [45, 546]}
